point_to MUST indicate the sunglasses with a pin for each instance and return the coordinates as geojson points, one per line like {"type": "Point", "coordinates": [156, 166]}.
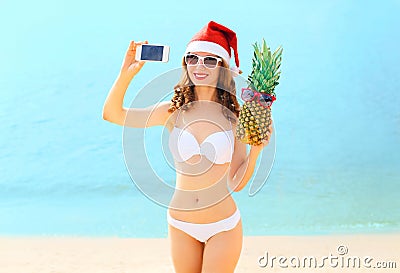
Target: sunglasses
{"type": "Point", "coordinates": [265, 100]}
{"type": "Point", "coordinates": [208, 61]}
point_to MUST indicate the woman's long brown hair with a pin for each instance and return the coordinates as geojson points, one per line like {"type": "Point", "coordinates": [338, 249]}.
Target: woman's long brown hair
{"type": "Point", "coordinates": [184, 93]}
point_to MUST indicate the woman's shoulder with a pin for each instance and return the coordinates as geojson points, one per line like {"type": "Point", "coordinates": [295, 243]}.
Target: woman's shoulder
{"type": "Point", "coordinates": [165, 108]}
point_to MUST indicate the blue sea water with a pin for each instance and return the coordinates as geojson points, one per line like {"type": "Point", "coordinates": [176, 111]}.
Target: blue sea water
{"type": "Point", "coordinates": [337, 115]}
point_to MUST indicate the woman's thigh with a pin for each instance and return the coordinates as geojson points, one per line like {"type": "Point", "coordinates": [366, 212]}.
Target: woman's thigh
{"type": "Point", "coordinates": [222, 251]}
{"type": "Point", "coordinates": [187, 252]}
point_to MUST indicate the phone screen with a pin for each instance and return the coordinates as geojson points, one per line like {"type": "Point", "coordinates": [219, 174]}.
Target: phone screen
{"type": "Point", "coordinates": [152, 53]}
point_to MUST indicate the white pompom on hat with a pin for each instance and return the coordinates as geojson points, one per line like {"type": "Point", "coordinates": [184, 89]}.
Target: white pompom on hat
{"type": "Point", "coordinates": [216, 39]}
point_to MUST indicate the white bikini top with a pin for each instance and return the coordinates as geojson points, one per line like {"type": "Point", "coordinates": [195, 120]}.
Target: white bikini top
{"type": "Point", "coordinates": [183, 145]}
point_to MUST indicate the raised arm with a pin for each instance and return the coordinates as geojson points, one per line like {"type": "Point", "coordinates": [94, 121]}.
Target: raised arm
{"type": "Point", "coordinates": [243, 164]}
{"type": "Point", "coordinates": [113, 109]}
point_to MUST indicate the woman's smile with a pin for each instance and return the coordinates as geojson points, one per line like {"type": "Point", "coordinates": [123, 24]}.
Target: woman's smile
{"type": "Point", "coordinates": [200, 75]}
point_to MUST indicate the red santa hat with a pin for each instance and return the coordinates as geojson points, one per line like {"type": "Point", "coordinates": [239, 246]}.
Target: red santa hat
{"type": "Point", "coordinates": [216, 39]}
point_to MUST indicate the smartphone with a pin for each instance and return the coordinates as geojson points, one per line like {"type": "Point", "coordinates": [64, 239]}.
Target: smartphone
{"type": "Point", "coordinates": [152, 53]}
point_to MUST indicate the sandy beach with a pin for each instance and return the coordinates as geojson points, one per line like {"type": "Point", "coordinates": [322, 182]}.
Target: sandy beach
{"type": "Point", "coordinates": [333, 253]}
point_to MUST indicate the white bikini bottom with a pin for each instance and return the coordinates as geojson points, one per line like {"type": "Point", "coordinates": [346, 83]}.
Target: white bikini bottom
{"type": "Point", "coordinates": [203, 232]}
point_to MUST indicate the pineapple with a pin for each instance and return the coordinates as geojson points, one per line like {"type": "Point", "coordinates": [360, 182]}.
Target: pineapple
{"type": "Point", "coordinates": [254, 119]}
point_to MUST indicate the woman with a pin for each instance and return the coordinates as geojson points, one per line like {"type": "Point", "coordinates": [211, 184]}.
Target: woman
{"type": "Point", "coordinates": [204, 223]}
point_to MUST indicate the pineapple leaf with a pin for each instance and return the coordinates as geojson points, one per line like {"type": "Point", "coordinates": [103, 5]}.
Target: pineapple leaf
{"type": "Point", "coordinates": [265, 74]}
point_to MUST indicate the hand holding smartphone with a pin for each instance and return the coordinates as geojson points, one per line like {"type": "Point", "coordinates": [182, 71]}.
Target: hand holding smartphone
{"type": "Point", "coordinates": [152, 53]}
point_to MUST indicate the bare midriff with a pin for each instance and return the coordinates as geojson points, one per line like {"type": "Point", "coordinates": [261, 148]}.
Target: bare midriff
{"type": "Point", "coordinates": [202, 193]}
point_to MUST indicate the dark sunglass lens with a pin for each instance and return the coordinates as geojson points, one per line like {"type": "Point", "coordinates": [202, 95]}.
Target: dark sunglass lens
{"type": "Point", "coordinates": [210, 62]}
{"type": "Point", "coordinates": [191, 59]}
{"type": "Point", "coordinates": [265, 100]}
{"type": "Point", "coordinates": [247, 94]}
{"type": "Point", "coordinates": [266, 97]}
